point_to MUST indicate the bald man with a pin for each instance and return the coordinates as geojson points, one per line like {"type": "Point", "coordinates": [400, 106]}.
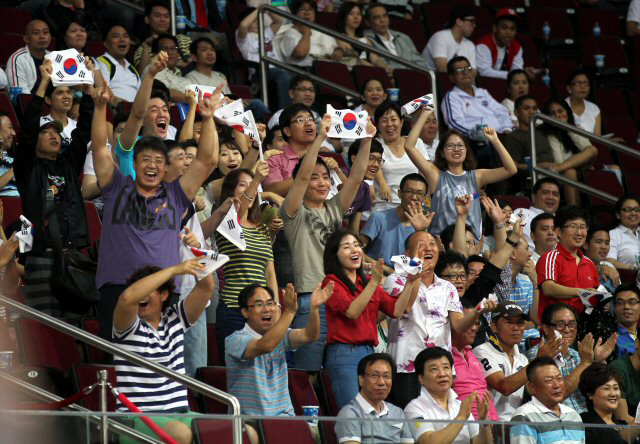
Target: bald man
{"type": "Point", "coordinates": [23, 66]}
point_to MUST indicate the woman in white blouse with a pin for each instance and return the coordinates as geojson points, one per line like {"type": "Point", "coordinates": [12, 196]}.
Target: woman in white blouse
{"type": "Point", "coordinates": [517, 86]}
{"type": "Point", "coordinates": [585, 113]}
{"type": "Point", "coordinates": [625, 238]}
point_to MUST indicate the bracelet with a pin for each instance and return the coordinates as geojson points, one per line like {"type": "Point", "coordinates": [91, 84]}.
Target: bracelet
{"type": "Point", "coordinates": [499, 226]}
{"type": "Point", "coordinates": [249, 198]}
{"type": "Point", "coordinates": [512, 243]}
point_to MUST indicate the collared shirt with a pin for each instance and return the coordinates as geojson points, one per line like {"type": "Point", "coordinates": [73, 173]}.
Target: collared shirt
{"type": "Point", "coordinates": [522, 293]}
{"type": "Point", "coordinates": [281, 166]}
{"type": "Point", "coordinates": [463, 111]}
{"type": "Point", "coordinates": [560, 266]}
{"type": "Point", "coordinates": [427, 324]}
{"type": "Point", "coordinates": [571, 360]}
{"type": "Point", "coordinates": [367, 431]}
{"type": "Point", "coordinates": [559, 432]}
{"type": "Point", "coordinates": [494, 360]}
{"type": "Point", "coordinates": [213, 79]}
{"type": "Point", "coordinates": [388, 43]}
{"type": "Point", "coordinates": [125, 80]}
{"type": "Point", "coordinates": [470, 378]}
{"type": "Point", "coordinates": [625, 244]}
{"type": "Point", "coordinates": [172, 79]}
{"type": "Point", "coordinates": [424, 407]}
{"type": "Point", "coordinates": [626, 341]}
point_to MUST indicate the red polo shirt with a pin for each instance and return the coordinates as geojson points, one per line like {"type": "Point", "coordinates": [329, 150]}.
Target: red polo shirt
{"type": "Point", "coordinates": [363, 329]}
{"type": "Point", "coordinates": [560, 266]}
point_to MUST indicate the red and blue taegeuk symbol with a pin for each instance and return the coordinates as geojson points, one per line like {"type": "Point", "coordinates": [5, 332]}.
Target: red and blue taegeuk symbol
{"type": "Point", "coordinates": [349, 121]}
{"type": "Point", "coordinates": [70, 66]}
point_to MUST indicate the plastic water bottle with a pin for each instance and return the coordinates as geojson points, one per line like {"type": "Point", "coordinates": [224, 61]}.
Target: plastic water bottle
{"type": "Point", "coordinates": [181, 23]}
{"type": "Point", "coordinates": [597, 30]}
{"type": "Point", "coordinates": [546, 31]}
{"type": "Point", "coordinates": [546, 78]}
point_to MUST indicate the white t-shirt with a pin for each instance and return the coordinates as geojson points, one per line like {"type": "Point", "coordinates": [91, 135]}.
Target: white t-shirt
{"type": "Point", "coordinates": [249, 46]}
{"type": "Point", "coordinates": [394, 169]}
{"type": "Point", "coordinates": [560, 152]}
{"type": "Point", "coordinates": [321, 46]}
{"type": "Point", "coordinates": [625, 244]}
{"type": "Point", "coordinates": [633, 15]}
{"type": "Point", "coordinates": [510, 105]}
{"type": "Point", "coordinates": [494, 360]}
{"type": "Point", "coordinates": [66, 132]}
{"type": "Point", "coordinates": [586, 120]}
{"type": "Point", "coordinates": [442, 44]}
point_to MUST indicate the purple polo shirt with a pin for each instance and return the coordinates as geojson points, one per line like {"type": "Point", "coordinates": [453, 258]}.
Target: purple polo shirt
{"type": "Point", "coordinates": [281, 166]}
{"type": "Point", "coordinates": [138, 231]}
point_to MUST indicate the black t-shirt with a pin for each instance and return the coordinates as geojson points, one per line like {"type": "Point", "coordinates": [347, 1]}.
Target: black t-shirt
{"type": "Point", "coordinates": [600, 435]}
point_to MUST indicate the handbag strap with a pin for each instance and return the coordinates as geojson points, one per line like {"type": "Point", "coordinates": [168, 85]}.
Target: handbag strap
{"type": "Point", "coordinates": [52, 219]}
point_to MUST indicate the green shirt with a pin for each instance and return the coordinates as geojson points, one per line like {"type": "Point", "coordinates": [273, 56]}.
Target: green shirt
{"type": "Point", "coordinates": [629, 382]}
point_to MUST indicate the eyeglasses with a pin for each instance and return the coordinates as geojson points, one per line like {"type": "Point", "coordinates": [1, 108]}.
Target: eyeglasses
{"type": "Point", "coordinates": [305, 90]}
{"type": "Point", "coordinates": [630, 209]}
{"type": "Point", "coordinates": [580, 83]}
{"type": "Point", "coordinates": [630, 302]}
{"type": "Point", "coordinates": [454, 146]}
{"type": "Point", "coordinates": [261, 305]}
{"type": "Point", "coordinates": [454, 277]}
{"type": "Point", "coordinates": [378, 160]}
{"type": "Point", "coordinates": [461, 70]}
{"type": "Point", "coordinates": [169, 49]}
{"type": "Point", "coordinates": [418, 194]}
{"type": "Point", "coordinates": [376, 376]}
{"type": "Point", "coordinates": [576, 227]}
{"type": "Point", "coordinates": [303, 120]}
{"type": "Point", "coordinates": [561, 325]}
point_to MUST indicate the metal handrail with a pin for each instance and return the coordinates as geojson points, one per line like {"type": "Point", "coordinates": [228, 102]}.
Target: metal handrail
{"type": "Point", "coordinates": [574, 129]}
{"type": "Point", "coordinates": [107, 346]}
{"type": "Point", "coordinates": [264, 58]}
{"type": "Point", "coordinates": [97, 419]}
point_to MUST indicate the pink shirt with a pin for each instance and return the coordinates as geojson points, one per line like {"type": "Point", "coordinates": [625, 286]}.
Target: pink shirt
{"type": "Point", "coordinates": [281, 166]}
{"type": "Point", "coordinates": [470, 377]}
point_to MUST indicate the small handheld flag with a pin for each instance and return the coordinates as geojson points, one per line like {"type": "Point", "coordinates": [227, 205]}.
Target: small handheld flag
{"type": "Point", "coordinates": [68, 68]}
{"type": "Point", "coordinates": [231, 229]}
{"type": "Point", "coordinates": [416, 104]}
{"type": "Point", "coordinates": [406, 265]}
{"type": "Point", "coordinates": [347, 124]}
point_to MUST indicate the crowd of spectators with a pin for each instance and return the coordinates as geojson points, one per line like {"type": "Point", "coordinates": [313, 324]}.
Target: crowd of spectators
{"type": "Point", "coordinates": [495, 325]}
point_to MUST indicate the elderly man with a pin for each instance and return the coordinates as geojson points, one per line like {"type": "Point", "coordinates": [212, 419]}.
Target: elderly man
{"type": "Point", "coordinates": [546, 385]}
{"type": "Point", "coordinates": [23, 65]}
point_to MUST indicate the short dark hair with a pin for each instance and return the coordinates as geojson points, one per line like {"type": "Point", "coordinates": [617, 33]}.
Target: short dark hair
{"type": "Point", "coordinates": [148, 8]}
{"type": "Point", "coordinates": [515, 72]}
{"type": "Point", "coordinates": [119, 118]}
{"type": "Point", "coordinates": [385, 107]}
{"type": "Point", "coordinates": [108, 29]}
{"type": "Point", "coordinates": [446, 235]}
{"type": "Point", "coordinates": [365, 84]}
{"type": "Point", "coordinates": [460, 12]}
{"type": "Point", "coordinates": [539, 218]}
{"type": "Point", "coordinates": [284, 121]}
{"type": "Point", "coordinates": [577, 72]}
{"type": "Point", "coordinates": [448, 258]}
{"type": "Point", "coordinates": [627, 286]}
{"type": "Point", "coordinates": [298, 79]}
{"type": "Point", "coordinates": [248, 291]}
{"type": "Point", "coordinates": [430, 354]}
{"type": "Point", "coordinates": [193, 48]}
{"type": "Point", "coordinates": [440, 161]}
{"type": "Point", "coordinates": [189, 142]}
{"type": "Point", "coordinates": [538, 362]}
{"type": "Point", "coordinates": [156, 42]}
{"type": "Point", "coordinates": [455, 60]}
{"type": "Point", "coordinates": [477, 258]}
{"type": "Point", "coordinates": [150, 143]}
{"type": "Point", "coordinates": [160, 93]}
{"type": "Point", "coordinates": [295, 5]}
{"type": "Point", "coordinates": [143, 272]}
{"type": "Point", "coordinates": [518, 103]}
{"type": "Point", "coordinates": [565, 214]}
{"type": "Point", "coordinates": [172, 145]}
{"type": "Point", "coordinates": [594, 376]}
{"type": "Point", "coordinates": [550, 310]}
{"type": "Point", "coordinates": [593, 229]}
{"type": "Point", "coordinates": [376, 147]}
{"type": "Point", "coordinates": [319, 161]}
{"type": "Point", "coordinates": [414, 177]}
{"type": "Point", "coordinates": [373, 5]}
{"type": "Point", "coordinates": [540, 182]}
{"type": "Point", "coordinates": [368, 360]}
{"type": "Point", "coordinates": [271, 133]}
{"type": "Point", "coordinates": [621, 200]}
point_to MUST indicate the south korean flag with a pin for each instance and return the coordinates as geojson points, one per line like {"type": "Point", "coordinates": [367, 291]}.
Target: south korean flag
{"type": "Point", "coordinates": [335, 181]}
{"type": "Point", "coordinates": [201, 91]}
{"type": "Point", "coordinates": [212, 260]}
{"type": "Point", "coordinates": [347, 124]}
{"type": "Point", "coordinates": [68, 68]}
{"type": "Point", "coordinates": [231, 229]}
{"type": "Point", "coordinates": [230, 110]}
{"type": "Point", "coordinates": [416, 104]}
{"type": "Point", "coordinates": [245, 123]}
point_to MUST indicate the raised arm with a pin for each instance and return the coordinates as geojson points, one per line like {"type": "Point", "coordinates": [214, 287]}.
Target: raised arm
{"type": "Point", "coordinates": [311, 331]}
{"type": "Point", "coordinates": [197, 300]}
{"type": "Point", "coordinates": [508, 169]}
{"type": "Point", "coordinates": [497, 217]}
{"type": "Point", "coordinates": [356, 176]}
{"type": "Point", "coordinates": [358, 305]}
{"type": "Point", "coordinates": [126, 309]}
{"type": "Point", "coordinates": [207, 156]}
{"type": "Point", "coordinates": [426, 168]}
{"type": "Point", "coordinates": [186, 132]}
{"type": "Point", "coordinates": [294, 197]}
{"type": "Point", "coordinates": [102, 159]}
{"type": "Point", "coordinates": [141, 103]}
{"type": "Point", "coordinates": [463, 205]}
{"type": "Point", "coordinates": [245, 24]}
{"type": "Point", "coordinates": [502, 254]}
{"type": "Point", "coordinates": [250, 193]}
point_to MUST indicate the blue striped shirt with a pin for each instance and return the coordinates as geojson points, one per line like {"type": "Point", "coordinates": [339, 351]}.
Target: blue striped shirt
{"type": "Point", "coordinates": [165, 346]}
{"type": "Point", "coordinates": [261, 384]}
{"type": "Point", "coordinates": [558, 431]}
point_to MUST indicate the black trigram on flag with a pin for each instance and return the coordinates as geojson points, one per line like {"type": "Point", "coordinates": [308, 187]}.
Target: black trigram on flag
{"type": "Point", "coordinates": [236, 113]}
{"type": "Point", "coordinates": [338, 129]}
{"type": "Point", "coordinates": [337, 113]}
{"type": "Point", "coordinates": [231, 224]}
{"type": "Point", "coordinates": [59, 74]}
{"type": "Point", "coordinates": [58, 58]}
{"type": "Point", "coordinates": [359, 131]}
{"type": "Point", "coordinates": [81, 74]}
{"type": "Point", "coordinates": [242, 235]}
{"type": "Point", "coordinates": [80, 58]}
{"type": "Point", "coordinates": [245, 121]}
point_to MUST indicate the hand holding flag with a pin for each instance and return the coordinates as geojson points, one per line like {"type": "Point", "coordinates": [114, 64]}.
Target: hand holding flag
{"type": "Point", "coordinates": [202, 262]}
{"type": "Point", "coordinates": [68, 68]}
{"type": "Point", "coordinates": [591, 298]}
{"type": "Point", "coordinates": [25, 236]}
{"type": "Point", "coordinates": [406, 265]}
{"type": "Point", "coordinates": [425, 102]}
{"type": "Point", "coordinates": [231, 229]}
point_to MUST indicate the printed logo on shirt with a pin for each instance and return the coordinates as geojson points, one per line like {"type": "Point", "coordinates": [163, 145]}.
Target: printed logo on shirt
{"type": "Point", "coordinates": [131, 209]}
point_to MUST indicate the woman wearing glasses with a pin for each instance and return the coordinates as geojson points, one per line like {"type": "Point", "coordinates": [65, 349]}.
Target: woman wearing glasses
{"type": "Point", "coordinates": [353, 311]}
{"type": "Point", "coordinates": [586, 114]}
{"type": "Point", "coordinates": [453, 173]}
{"type": "Point", "coordinates": [624, 250]}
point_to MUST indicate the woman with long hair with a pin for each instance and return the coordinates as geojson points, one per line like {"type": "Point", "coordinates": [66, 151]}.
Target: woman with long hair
{"type": "Point", "coordinates": [255, 263]}
{"type": "Point", "coordinates": [453, 173]}
{"type": "Point", "coordinates": [349, 22]}
{"type": "Point", "coordinates": [353, 310]}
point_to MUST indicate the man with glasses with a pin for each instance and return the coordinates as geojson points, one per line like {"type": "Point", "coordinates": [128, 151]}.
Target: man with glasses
{"type": "Point", "coordinates": [565, 271]}
{"type": "Point", "coordinates": [467, 108]}
{"type": "Point", "coordinates": [453, 41]}
{"type": "Point", "coordinates": [301, 90]}
{"type": "Point", "coordinates": [563, 318]}
{"type": "Point", "coordinates": [626, 300]}
{"type": "Point", "coordinates": [386, 231]}
{"type": "Point", "coordinates": [171, 76]}
{"type": "Point", "coordinates": [375, 377]}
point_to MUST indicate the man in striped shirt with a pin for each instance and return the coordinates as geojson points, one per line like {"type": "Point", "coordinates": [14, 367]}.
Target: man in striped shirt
{"type": "Point", "coordinates": [143, 323]}
{"type": "Point", "coordinates": [546, 385]}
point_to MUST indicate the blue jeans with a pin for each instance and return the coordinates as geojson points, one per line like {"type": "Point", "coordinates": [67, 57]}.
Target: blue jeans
{"type": "Point", "coordinates": [195, 346]}
{"type": "Point", "coordinates": [309, 357]}
{"type": "Point", "coordinates": [342, 365]}
{"type": "Point", "coordinates": [228, 320]}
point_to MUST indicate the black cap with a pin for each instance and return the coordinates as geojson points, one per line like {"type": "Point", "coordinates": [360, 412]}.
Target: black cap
{"type": "Point", "coordinates": [461, 12]}
{"type": "Point", "coordinates": [509, 310]}
{"type": "Point", "coordinates": [56, 124]}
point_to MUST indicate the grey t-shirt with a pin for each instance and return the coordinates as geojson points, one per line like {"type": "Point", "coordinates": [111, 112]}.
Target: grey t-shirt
{"type": "Point", "coordinates": [518, 143]}
{"type": "Point", "coordinates": [443, 202]}
{"type": "Point", "coordinates": [307, 232]}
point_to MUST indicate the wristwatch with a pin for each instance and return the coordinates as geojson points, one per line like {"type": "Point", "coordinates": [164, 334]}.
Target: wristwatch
{"type": "Point", "coordinates": [512, 243]}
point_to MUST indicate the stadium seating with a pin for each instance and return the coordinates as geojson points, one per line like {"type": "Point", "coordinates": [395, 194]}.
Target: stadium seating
{"type": "Point", "coordinates": [213, 354]}
{"type": "Point", "coordinates": [278, 431]}
{"type": "Point", "coordinates": [84, 375]}
{"type": "Point", "coordinates": [43, 346]}
{"type": "Point", "coordinates": [214, 430]}
{"type": "Point", "coordinates": [215, 377]}
{"type": "Point", "coordinates": [14, 21]}
{"type": "Point", "coordinates": [301, 390]}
